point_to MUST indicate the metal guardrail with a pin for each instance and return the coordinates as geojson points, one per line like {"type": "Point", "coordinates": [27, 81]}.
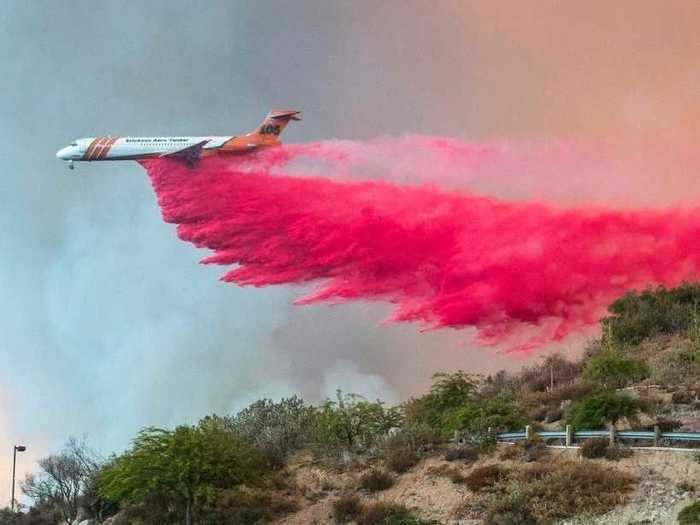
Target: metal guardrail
{"type": "Point", "coordinates": [570, 436]}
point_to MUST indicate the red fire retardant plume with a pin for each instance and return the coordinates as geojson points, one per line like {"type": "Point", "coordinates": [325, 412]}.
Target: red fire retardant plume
{"type": "Point", "coordinates": [521, 274]}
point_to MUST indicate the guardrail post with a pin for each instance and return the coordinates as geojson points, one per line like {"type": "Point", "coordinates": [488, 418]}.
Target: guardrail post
{"type": "Point", "coordinates": [569, 435]}
{"type": "Point", "coordinates": [528, 432]}
{"type": "Point", "coordinates": [657, 435]}
{"type": "Point", "coordinates": [612, 435]}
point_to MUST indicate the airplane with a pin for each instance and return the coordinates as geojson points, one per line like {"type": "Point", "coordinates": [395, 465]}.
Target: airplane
{"type": "Point", "coordinates": [186, 149]}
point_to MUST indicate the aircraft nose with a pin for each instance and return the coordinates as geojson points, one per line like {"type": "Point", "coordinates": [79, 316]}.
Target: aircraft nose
{"type": "Point", "coordinates": [64, 154]}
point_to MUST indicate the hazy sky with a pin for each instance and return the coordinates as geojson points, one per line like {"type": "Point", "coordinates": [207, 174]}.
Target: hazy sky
{"type": "Point", "coordinates": [109, 323]}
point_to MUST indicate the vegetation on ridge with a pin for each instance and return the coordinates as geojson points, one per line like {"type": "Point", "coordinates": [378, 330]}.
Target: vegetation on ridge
{"type": "Point", "coordinates": [235, 469]}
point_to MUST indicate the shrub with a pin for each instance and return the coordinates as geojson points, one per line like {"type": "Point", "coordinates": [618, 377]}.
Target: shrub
{"type": "Point", "coordinates": [384, 513]}
{"type": "Point", "coordinates": [510, 509]}
{"type": "Point", "coordinates": [594, 448]}
{"type": "Point", "coordinates": [347, 507]}
{"type": "Point", "coordinates": [376, 480]}
{"type": "Point", "coordinates": [690, 515]}
{"type": "Point", "coordinates": [617, 453]}
{"type": "Point", "coordinates": [545, 493]}
{"type": "Point", "coordinates": [177, 466]}
{"type": "Point", "coordinates": [468, 454]}
{"type": "Point", "coordinates": [678, 366]}
{"type": "Point", "coordinates": [612, 369]}
{"type": "Point", "coordinates": [246, 505]}
{"type": "Point", "coordinates": [399, 452]}
{"type": "Point", "coordinates": [275, 428]}
{"type": "Point", "coordinates": [511, 452]}
{"type": "Point", "coordinates": [455, 404]}
{"type": "Point", "coordinates": [534, 451]}
{"type": "Point", "coordinates": [597, 410]}
{"type": "Point", "coordinates": [350, 422]}
{"type": "Point", "coordinates": [439, 408]}
{"type": "Point", "coordinates": [485, 477]}
{"type": "Point", "coordinates": [400, 461]}
{"type": "Point", "coordinates": [454, 474]}
{"type": "Point", "coordinates": [554, 369]}
{"type": "Point", "coordinates": [638, 316]}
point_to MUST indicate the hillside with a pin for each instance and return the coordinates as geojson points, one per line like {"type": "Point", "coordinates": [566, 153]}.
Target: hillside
{"type": "Point", "coordinates": [432, 459]}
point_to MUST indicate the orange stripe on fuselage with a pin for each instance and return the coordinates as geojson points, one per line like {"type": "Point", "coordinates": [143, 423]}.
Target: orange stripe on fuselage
{"type": "Point", "coordinates": [91, 147]}
{"type": "Point", "coordinates": [106, 146]}
{"type": "Point", "coordinates": [97, 150]}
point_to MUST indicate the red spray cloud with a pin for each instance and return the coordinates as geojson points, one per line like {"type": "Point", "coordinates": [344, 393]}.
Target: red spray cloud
{"type": "Point", "coordinates": [442, 259]}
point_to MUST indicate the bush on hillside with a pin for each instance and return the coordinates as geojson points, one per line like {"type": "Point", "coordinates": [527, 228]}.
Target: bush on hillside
{"type": "Point", "coordinates": [638, 316]}
{"type": "Point", "coordinates": [485, 477]}
{"type": "Point", "coordinates": [386, 513]}
{"type": "Point", "coordinates": [598, 410]}
{"type": "Point", "coordinates": [543, 493]}
{"type": "Point", "coordinates": [399, 460]}
{"type": "Point", "coordinates": [376, 480]}
{"type": "Point", "coordinates": [351, 423]}
{"type": "Point", "coordinates": [612, 369]}
{"type": "Point", "coordinates": [347, 507]}
{"type": "Point", "coordinates": [245, 505]}
{"type": "Point", "coordinates": [401, 450]}
{"type": "Point", "coordinates": [677, 367]}
{"type": "Point", "coordinates": [468, 454]}
{"type": "Point", "coordinates": [455, 404]}
{"type": "Point", "coordinates": [439, 408]}
{"type": "Point", "coordinates": [555, 370]}
{"type": "Point", "coordinates": [275, 428]}
{"type": "Point", "coordinates": [175, 467]}
{"type": "Point", "coordinates": [596, 448]}
{"type": "Point", "coordinates": [690, 515]}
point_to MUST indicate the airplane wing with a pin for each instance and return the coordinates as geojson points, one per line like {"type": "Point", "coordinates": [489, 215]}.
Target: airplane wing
{"type": "Point", "coordinates": [190, 154]}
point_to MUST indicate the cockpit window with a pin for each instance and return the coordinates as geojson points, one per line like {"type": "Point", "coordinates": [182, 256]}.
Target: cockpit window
{"type": "Point", "coordinates": [74, 143]}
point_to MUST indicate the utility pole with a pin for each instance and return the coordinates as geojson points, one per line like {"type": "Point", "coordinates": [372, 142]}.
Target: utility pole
{"type": "Point", "coordinates": [17, 448]}
{"type": "Point", "coordinates": [551, 378]}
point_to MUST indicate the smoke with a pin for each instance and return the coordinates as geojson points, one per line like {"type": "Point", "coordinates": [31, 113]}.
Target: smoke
{"type": "Point", "coordinates": [521, 274]}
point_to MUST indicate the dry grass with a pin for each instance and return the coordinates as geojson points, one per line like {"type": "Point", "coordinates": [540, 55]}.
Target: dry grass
{"type": "Point", "coordinates": [454, 474]}
{"type": "Point", "coordinates": [347, 507]}
{"type": "Point", "coordinates": [467, 454]}
{"type": "Point", "coordinates": [376, 480]}
{"type": "Point", "coordinates": [548, 492]}
{"type": "Point", "coordinates": [485, 477]}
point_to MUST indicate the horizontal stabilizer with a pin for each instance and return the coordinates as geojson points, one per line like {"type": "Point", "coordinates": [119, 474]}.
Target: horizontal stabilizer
{"type": "Point", "coordinates": [190, 154]}
{"type": "Point", "coordinates": [284, 115]}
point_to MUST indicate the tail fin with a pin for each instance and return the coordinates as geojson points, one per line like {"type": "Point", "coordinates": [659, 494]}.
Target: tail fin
{"type": "Point", "coordinates": [272, 127]}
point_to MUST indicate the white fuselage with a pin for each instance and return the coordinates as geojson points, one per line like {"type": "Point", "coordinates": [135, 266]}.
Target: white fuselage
{"type": "Point", "coordinates": [186, 149]}
{"type": "Point", "coordinates": [133, 148]}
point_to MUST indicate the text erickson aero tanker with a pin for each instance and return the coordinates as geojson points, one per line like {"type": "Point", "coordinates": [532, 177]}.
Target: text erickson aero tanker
{"type": "Point", "coordinates": [187, 149]}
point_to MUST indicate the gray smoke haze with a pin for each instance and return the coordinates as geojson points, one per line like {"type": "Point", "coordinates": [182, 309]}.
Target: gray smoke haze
{"type": "Point", "coordinates": [101, 336]}
{"type": "Point", "coordinates": [108, 323]}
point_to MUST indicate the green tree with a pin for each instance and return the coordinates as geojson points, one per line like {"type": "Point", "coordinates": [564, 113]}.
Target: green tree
{"type": "Point", "coordinates": [455, 403]}
{"type": "Point", "coordinates": [447, 404]}
{"type": "Point", "coordinates": [186, 467]}
{"type": "Point", "coordinates": [351, 421]}
{"type": "Point", "coordinates": [613, 369]}
{"type": "Point", "coordinates": [597, 410]}
{"type": "Point", "coordinates": [275, 428]}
